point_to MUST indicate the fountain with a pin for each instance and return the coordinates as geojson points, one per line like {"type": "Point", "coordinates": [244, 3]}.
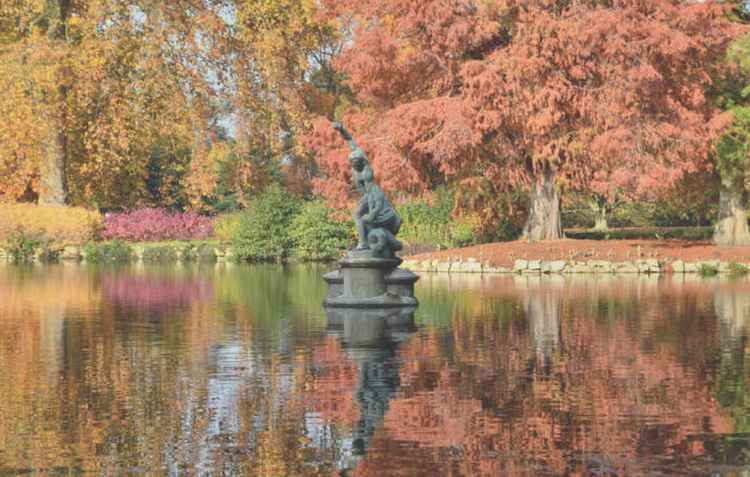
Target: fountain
{"type": "Point", "coordinates": [368, 276]}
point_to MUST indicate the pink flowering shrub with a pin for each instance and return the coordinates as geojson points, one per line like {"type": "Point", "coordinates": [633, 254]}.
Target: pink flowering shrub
{"type": "Point", "coordinates": [156, 224]}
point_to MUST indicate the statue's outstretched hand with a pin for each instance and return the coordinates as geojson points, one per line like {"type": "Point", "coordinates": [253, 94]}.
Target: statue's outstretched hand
{"type": "Point", "coordinates": [344, 133]}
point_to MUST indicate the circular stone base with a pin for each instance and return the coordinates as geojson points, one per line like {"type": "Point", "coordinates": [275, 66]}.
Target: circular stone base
{"type": "Point", "coordinates": [383, 301]}
{"type": "Point", "coordinates": [366, 281]}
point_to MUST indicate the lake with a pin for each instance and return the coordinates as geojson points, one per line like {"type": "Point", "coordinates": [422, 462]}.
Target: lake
{"type": "Point", "coordinates": [237, 370]}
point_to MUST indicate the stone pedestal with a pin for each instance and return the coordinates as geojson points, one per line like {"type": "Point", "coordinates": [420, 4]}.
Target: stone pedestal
{"type": "Point", "coordinates": [366, 281]}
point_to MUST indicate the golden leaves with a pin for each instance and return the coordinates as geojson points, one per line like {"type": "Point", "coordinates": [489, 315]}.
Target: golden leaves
{"type": "Point", "coordinates": [112, 86]}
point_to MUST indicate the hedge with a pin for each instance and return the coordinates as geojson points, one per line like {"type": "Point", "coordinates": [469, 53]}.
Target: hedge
{"type": "Point", "coordinates": [60, 225]}
{"type": "Point", "coordinates": [644, 233]}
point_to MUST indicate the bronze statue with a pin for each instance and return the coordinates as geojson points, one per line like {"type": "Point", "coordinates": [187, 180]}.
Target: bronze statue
{"type": "Point", "coordinates": [376, 219]}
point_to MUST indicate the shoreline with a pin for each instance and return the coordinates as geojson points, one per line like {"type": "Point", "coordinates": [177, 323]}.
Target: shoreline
{"type": "Point", "coordinates": [586, 256]}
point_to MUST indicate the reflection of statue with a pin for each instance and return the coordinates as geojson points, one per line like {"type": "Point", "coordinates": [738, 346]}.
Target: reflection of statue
{"type": "Point", "coordinates": [376, 219]}
{"type": "Point", "coordinates": [371, 339]}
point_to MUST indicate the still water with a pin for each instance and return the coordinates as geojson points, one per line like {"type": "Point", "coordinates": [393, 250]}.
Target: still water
{"type": "Point", "coordinates": [237, 370]}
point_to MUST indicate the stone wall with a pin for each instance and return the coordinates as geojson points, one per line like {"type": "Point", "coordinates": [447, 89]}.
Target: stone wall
{"type": "Point", "coordinates": [646, 266]}
{"type": "Point", "coordinates": [139, 253]}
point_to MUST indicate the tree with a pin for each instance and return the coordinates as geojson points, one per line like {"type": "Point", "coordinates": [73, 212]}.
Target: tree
{"type": "Point", "coordinates": [94, 88]}
{"type": "Point", "coordinates": [538, 94]}
{"type": "Point", "coordinates": [585, 88]}
{"type": "Point", "coordinates": [732, 151]}
{"type": "Point", "coordinates": [281, 75]}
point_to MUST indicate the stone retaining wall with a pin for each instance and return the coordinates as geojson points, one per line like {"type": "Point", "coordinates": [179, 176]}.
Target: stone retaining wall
{"type": "Point", "coordinates": [139, 251]}
{"type": "Point", "coordinates": [566, 267]}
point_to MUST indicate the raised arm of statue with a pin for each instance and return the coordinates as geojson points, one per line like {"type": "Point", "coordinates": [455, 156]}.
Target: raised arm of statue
{"type": "Point", "coordinates": [345, 134]}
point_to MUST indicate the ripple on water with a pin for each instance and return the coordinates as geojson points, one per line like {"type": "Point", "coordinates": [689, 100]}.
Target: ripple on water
{"type": "Point", "coordinates": [237, 370]}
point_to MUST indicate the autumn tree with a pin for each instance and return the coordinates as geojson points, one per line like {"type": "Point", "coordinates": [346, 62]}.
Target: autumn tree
{"type": "Point", "coordinates": [95, 89]}
{"type": "Point", "coordinates": [539, 94]}
{"type": "Point", "coordinates": [589, 88]}
{"type": "Point", "coordinates": [281, 75]}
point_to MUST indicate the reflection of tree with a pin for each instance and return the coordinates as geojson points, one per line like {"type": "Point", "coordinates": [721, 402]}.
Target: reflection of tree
{"type": "Point", "coordinates": [171, 387]}
{"type": "Point", "coordinates": [154, 292]}
{"type": "Point", "coordinates": [615, 399]}
{"type": "Point", "coordinates": [638, 377]}
{"type": "Point", "coordinates": [732, 307]}
{"type": "Point", "coordinates": [542, 308]}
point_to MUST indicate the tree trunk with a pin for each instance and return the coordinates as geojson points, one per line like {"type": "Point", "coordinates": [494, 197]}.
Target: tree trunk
{"type": "Point", "coordinates": [731, 227]}
{"type": "Point", "coordinates": [544, 222]}
{"type": "Point", "coordinates": [600, 218]}
{"type": "Point", "coordinates": [53, 189]}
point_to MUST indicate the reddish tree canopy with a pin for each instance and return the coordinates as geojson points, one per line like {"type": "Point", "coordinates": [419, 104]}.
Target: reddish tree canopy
{"type": "Point", "coordinates": [539, 93]}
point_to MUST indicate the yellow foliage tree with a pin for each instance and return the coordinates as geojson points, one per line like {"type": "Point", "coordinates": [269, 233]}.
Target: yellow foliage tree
{"type": "Point", "coordinates": [91, 87]}
{"type": "Point", "coordinates": [285, 77]}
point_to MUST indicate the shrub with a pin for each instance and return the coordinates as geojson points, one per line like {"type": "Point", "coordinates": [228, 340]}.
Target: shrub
{"type": "Point", "coordinates": [108, 252]}
{"type": "Point", "coordinates": [425, 224]}
{"type": "Point", "coordinates": [159, 253]}
{"type": "Point", "coordinates": [463, 231]}
{"type": "Point", "coordinates": [225, 226]}
{"type": "Point", "coordinates": [21, 247]}
{"type": "Point", "coordinates": [201, 252]}
{"type": "Point", "coordinates": [317, 235]}
{"type": "Point", "coordinates": [59, 225]}
{"type": "Point", "coordinates": [263, 232]}
{"type": "Point", "coordinates": [155, 225]}
{"type": "Point", "coordinates": [707, 270]}
{"type": "Point", "coordinates": [644, 233]}
{"type": "Point", "coordinates": [738, 269]}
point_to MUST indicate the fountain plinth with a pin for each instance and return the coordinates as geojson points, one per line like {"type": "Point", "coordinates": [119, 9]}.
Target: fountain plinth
{"type": "Point", "coordinates": [367, 281]}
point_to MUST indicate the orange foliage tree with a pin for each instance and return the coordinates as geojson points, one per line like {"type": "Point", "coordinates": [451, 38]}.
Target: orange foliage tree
{"type": "Point", "coordinates": [539, 94]}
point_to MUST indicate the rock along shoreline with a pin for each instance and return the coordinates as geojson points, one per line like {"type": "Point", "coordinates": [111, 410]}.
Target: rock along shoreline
{"type": "Point", "coordinates": [645, 266]}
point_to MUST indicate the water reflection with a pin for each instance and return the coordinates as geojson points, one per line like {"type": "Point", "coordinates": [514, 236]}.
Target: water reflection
{"type": "Point", "coordinates": [238, 371]}
{"type": "Point", "coordinates": [371, 339]}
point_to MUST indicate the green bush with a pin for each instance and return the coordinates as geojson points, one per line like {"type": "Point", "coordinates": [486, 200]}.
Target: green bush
{"type": "Point", "coordinates": [226, 225]}
{"type": "Point", "coordinates": [425, 224]}
{"type": "Point", "coordinates": [198, 252]}
{"type": "Point", "coordinates": [22, 247]}
{"type": "Point", "coordinates": [738, 269]}
{"type": "Point", "coordinates": [644, 233]}
{"type": "Point", "coordinates": [159, 254]}
{"type": "Point", "coordinates": [263, 232]}
{"type": "Point", "coordinates": [108, 252]}
{"type": "Point", "coordinates": [463, 231]}
{"type": "Point", "coordinates": [707, 270]}
{"type": "Point", "coordinates": [319, 236]}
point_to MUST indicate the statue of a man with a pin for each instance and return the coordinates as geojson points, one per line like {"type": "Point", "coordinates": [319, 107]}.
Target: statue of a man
{"type": "Point", "coordinates": [376, 219]}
